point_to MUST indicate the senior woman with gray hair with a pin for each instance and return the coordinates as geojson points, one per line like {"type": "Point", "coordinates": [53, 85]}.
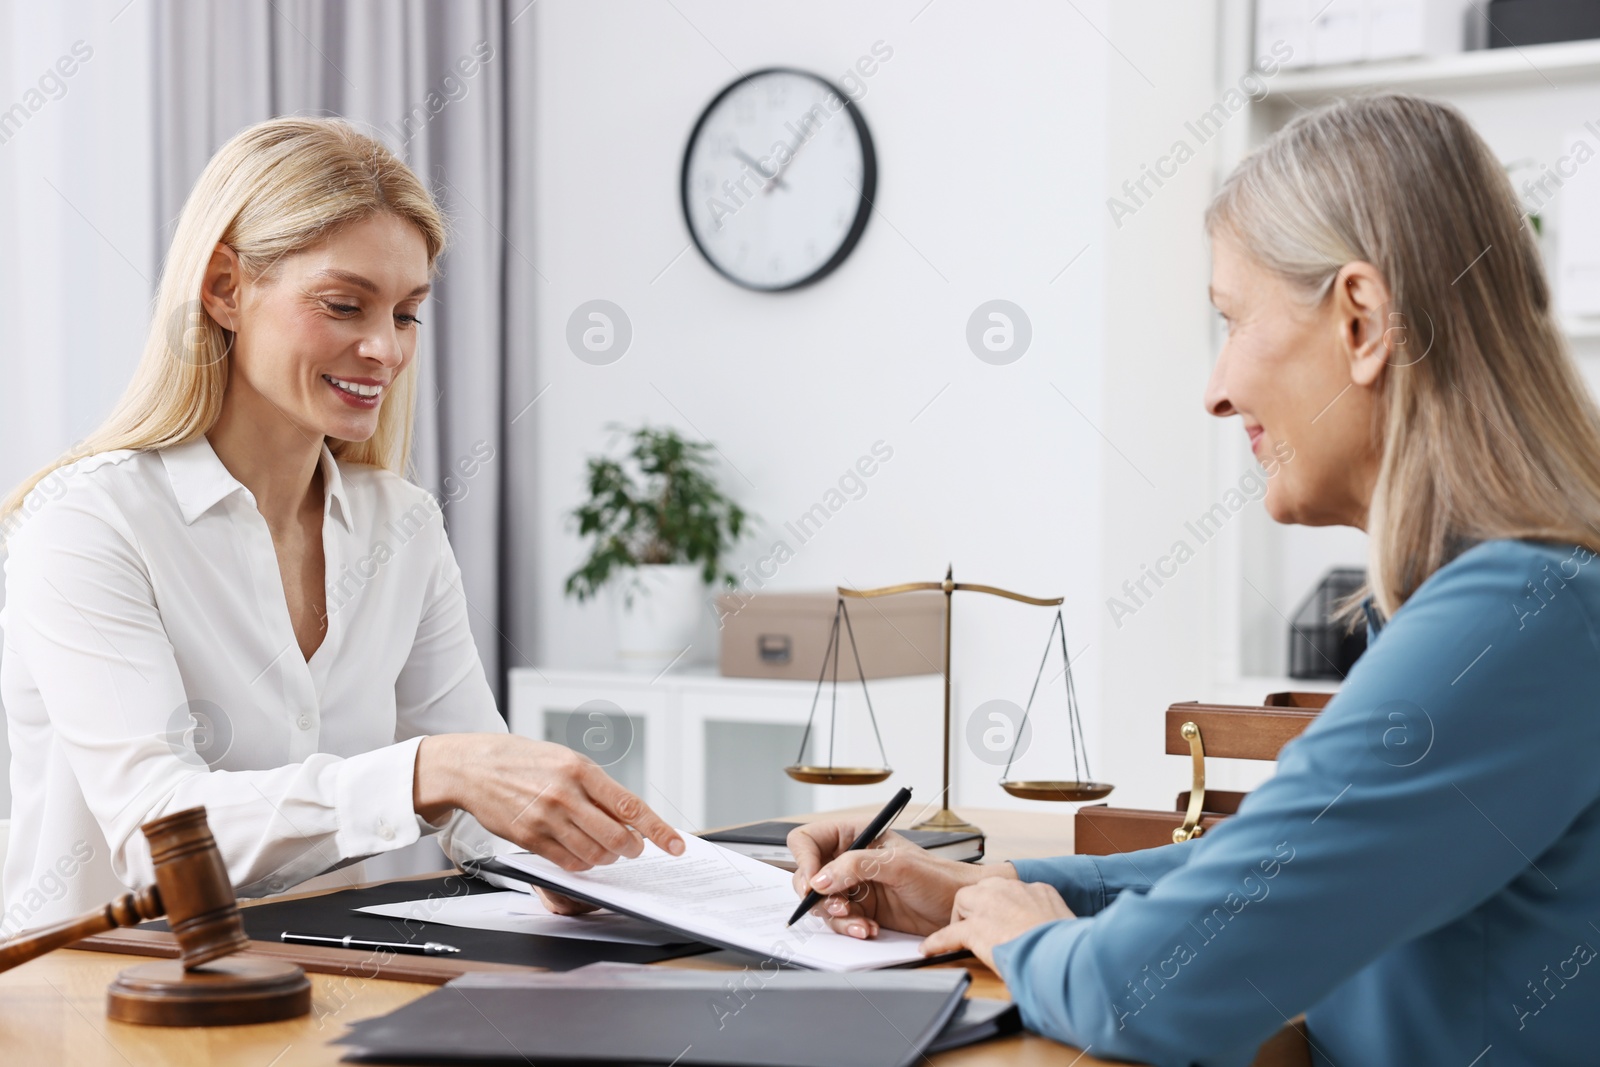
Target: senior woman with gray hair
{"type": "Point", "coordinates": [1421, 878]}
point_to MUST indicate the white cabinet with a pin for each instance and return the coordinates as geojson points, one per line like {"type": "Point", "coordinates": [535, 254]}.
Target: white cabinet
{"type": "Point", "coordinates": [706, 751]}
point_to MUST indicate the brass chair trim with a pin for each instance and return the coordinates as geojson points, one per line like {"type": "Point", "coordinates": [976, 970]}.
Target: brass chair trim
{"type": "Point", "coordinates": [1197, 793]}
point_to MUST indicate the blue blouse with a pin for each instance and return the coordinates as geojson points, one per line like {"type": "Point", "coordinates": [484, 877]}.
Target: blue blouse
{"type": "Point", "coordinates": [1421, 877]}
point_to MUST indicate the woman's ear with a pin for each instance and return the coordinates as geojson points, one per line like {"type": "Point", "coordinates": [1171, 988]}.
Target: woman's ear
{"type": "Point", "coordinates": [219, 291]}
{"type": "Point", "coordinates": [1361, 301]}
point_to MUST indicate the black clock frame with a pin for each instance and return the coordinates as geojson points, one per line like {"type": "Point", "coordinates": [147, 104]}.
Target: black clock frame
{"type": "Point", "coordinates": [869, 182]}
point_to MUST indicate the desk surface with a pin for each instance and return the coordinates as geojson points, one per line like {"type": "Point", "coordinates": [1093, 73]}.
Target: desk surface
{"type": "Point", "coordinates": [52, 1010]}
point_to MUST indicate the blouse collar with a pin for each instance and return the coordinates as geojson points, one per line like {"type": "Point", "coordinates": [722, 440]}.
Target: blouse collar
{"type": "Point", "coordinates": [199, 480]}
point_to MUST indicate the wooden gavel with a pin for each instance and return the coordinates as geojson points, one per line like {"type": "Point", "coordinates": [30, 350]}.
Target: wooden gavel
{"type": "Point", "coordinates": [202, 987]}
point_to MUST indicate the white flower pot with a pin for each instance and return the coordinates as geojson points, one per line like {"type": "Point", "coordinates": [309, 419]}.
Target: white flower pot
{"type": "Point", "coordinates": [661, 624]}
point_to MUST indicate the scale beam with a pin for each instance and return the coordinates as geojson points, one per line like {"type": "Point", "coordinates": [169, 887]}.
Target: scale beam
{"type": "Point", "coordinates": [959, 587]}
{"type": "Point", "coordinates": [944, 818]}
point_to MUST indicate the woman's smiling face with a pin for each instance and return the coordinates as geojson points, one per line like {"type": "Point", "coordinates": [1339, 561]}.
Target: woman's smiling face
{"type": "Point", "coordinates": [1302, 379]}
{"type": "Point", "coordinates": [322, 338]}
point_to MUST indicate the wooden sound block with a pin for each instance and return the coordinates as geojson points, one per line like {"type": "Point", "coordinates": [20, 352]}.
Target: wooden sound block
{"type": "Point", "coordinates": [227, 992]}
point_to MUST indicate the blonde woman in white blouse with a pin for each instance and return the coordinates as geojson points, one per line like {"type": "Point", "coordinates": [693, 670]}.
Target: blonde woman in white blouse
{"type": "Point", "coordinates": [229, 595]}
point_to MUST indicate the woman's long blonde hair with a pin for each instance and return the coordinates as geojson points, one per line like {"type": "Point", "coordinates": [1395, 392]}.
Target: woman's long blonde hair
{"type": "Point", "coordinates": [1485, 427]}
{"type": "Point", "coordinates": [276, 188]}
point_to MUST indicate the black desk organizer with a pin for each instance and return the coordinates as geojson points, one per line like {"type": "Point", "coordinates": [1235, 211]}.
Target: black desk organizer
{"type": "Point", "coordinates": [333, 915]}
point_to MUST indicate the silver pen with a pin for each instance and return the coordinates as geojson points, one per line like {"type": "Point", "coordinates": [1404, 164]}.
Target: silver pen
{"type": "Point", "coordinates": [427, 948]}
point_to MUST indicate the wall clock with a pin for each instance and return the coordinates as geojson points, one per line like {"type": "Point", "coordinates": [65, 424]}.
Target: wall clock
{"type": "Point", "coordinates": [778, 179]}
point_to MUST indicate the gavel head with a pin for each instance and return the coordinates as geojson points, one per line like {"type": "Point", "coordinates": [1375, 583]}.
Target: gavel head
{"type": "Point", "coordinates": [195, 892]}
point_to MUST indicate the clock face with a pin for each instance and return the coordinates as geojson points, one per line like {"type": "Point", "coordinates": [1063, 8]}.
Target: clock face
{"type": "Point", "coordinates": [778, 179]}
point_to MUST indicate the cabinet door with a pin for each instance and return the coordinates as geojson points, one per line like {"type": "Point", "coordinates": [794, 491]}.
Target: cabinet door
{"type": "Point", "coordinates": [744, 780]}
{"type": "Point", "coordinates": [623, 727]}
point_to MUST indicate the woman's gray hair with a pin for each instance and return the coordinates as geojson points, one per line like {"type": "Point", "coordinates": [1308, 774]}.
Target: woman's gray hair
{"type": "Point", "coordinates": [1485, 425]}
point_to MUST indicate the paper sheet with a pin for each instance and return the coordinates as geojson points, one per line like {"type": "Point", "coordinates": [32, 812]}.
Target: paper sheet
{"type": "Point", "coordinates": [524, 913]}
{"type": "Point", "coordinates": [718, 895]}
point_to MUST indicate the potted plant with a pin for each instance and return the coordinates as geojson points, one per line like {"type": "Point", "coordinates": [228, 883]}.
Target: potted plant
{"type": "Point", "coordinates": [660, 530]}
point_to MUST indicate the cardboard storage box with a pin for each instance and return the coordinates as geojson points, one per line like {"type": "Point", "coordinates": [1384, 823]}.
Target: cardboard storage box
{"type": "Point", "coordinates": [784, 635]}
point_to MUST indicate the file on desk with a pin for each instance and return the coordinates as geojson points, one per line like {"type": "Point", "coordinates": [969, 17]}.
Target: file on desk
{"type": "Point", "coordinates": [607, 1013]}
{"type": "Point", "coordinates": [721, 897]}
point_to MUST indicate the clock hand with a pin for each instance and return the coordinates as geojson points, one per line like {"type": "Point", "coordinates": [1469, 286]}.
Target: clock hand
{"type": "Point", "coordinates": [771, 179]}
{"type": "Point", "coordinates": [794, 150]}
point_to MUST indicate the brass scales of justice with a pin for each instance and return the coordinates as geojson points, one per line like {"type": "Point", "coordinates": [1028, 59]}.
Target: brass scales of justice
{"type": "Point", "coordinates": [1080, 788]}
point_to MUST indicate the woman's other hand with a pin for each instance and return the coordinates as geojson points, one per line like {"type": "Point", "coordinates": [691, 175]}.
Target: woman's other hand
{"type": "Point", "coordinates": [561, 904]}
{"type": "Point", "coordinates": [993, 912]}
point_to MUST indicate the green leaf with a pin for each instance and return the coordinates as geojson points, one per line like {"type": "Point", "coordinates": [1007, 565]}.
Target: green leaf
{"type": "Point", "coordinates": [673, 512]}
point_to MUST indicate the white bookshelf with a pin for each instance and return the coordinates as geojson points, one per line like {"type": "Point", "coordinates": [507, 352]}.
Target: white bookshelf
{"type": "Point", "coordinates": [1523, 100]}
{"type": "Point", "coordinates": [1586, 329]}
{"type": "Point", "coordinates": [1535, 67]}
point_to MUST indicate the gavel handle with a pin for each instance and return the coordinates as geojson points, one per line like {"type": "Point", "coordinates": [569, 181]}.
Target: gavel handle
{"type": "Point", "coordinates": [127, 910]}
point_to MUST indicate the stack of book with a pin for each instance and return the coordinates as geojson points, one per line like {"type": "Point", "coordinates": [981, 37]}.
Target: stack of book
{"type": "Point", "coordinates": [767, 842]}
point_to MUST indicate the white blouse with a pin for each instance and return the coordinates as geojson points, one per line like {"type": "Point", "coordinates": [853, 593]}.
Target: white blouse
{"type": "Point", "coordinates": [150, 665]}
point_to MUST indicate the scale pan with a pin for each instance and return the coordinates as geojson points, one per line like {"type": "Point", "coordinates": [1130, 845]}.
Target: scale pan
{"type": "Point", "coordinates": [837, 775]}
{"type": "Point", "coordinates": [1043, 789]}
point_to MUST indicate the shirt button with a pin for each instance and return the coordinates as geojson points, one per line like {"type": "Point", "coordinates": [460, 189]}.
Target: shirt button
{"type": "Point", "coordinates": [276, 887]}
{"type": "Point", "coordinates": [305, 722]}
{"type": "Point", "coordinates": [386, 831]}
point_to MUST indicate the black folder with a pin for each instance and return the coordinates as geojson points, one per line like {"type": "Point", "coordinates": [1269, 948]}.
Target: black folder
{"type": "Point", "coordinates": [333, 915]}
{"type": "Point", "coordinates": [670, 1015]}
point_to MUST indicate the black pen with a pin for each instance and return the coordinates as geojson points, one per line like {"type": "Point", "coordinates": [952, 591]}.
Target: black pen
{"type": "Point", "coordinates": [878, 825]}
{"type": "Point", "coordinates": [427, 948]}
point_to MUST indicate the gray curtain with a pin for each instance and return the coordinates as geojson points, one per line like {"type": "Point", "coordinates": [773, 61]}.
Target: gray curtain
{"type": "Point", "coordinates": [448, 87]}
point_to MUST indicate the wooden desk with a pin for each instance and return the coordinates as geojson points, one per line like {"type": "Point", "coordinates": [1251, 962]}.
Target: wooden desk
{"type": "Point", "coordinates": [52, 1010]}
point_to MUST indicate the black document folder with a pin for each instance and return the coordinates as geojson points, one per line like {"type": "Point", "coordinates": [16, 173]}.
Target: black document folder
{"type": "Point", "coordinates": [977, 1020]}
{"type": "Point", "coordinates": [669, 1015]}
{"type": "Point", "coordinates": [334, 915]}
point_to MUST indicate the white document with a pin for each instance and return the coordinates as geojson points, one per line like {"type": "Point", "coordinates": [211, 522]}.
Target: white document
{"type": "Point", "coordinates": [524, 913]}
{"type": "Point", "coordinates": [717, 895]}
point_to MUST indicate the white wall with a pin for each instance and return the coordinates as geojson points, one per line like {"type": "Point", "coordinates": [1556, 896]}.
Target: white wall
{"type": "Point", "coordinates": [1158, 357]}
{"type": "Point", "coordinates": [990, 125]}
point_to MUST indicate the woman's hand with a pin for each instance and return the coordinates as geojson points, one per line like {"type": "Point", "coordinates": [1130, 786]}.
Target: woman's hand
{"type": "Point", "coordinates": [544, 797]}
{"type": "Point", "coordinates": [561, 904]}
{"type": "Point", "coordinates": [893, 884]}
{"type": "Point", "coordinates": [993, 912]}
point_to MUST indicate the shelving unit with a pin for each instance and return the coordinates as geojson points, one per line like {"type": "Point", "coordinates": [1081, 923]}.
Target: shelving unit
{"type": "Point", "coordinates": [1581, 329]}
{"type": "Point", "coordinates": [1523, 101]}
{"type": "Point", "coordinates": [1538, 66]}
